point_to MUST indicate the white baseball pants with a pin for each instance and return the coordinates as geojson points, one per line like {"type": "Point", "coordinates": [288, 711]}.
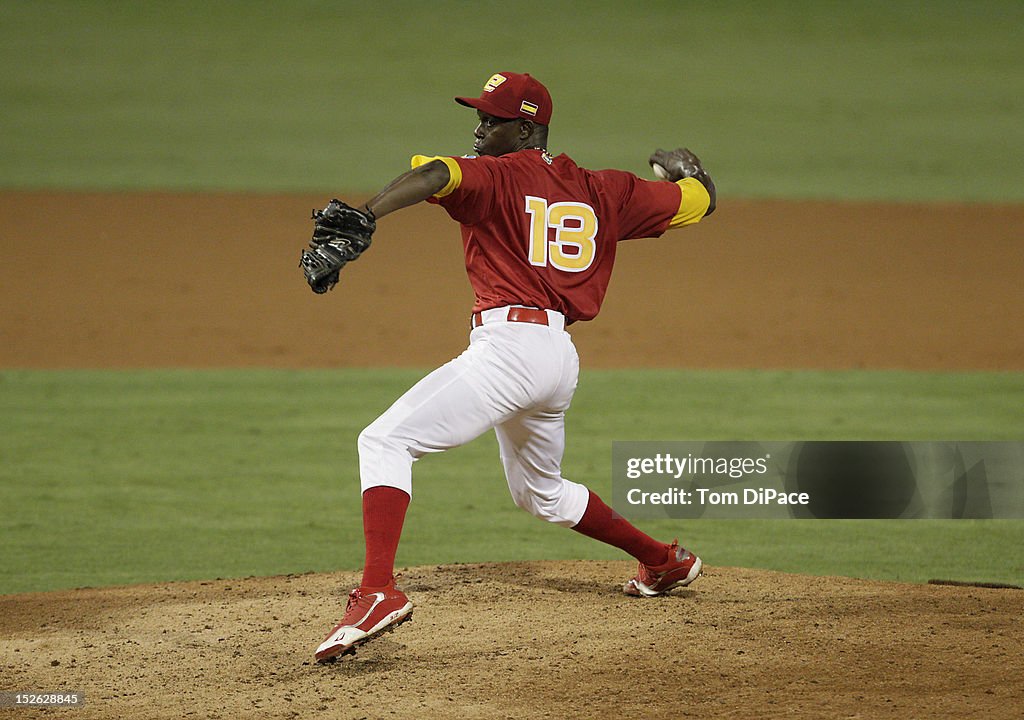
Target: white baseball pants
{"type": "Point", "coordinates": [515, 377]}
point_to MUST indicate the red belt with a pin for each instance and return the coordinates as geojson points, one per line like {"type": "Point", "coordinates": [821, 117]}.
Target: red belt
{"type": "Point", "coordinates": [516, 314]}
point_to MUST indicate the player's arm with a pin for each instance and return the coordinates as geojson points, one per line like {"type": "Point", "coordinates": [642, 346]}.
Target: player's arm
{"type": "Point", "coordinates": [422, 182]}
{"type": "Point", "coordinates": [342, 233]}
{"type": "Point", "coordinates": [679, 165]}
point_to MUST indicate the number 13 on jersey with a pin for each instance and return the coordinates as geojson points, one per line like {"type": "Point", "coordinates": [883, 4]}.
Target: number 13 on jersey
{"type": "Point", "coordinates": [571, 246]}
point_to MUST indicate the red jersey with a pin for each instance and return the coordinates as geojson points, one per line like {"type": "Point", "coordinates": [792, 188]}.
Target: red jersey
{"type": "Point", "coordinates": [541, 231]}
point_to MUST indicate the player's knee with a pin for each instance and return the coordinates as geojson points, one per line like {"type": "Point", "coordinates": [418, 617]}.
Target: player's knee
{"type": "Point", "coordinates": [373, 440]}
{"type": "Point", "coordinates": [550, 507]}
{"type": "Point", "coordinates": [523, 501]}
{"type": "Point", "coordinates": [368, 442]}
{"type": "Point", "coordinates": [384, 460]}
{"type": "Point", "coordinates": [561, 502]}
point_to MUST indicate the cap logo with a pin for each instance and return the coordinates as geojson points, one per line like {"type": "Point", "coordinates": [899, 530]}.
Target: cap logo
{"type": "Point", "coordinates": [528, 107]}
{"type": "Point", "coordinates": [492, 84]}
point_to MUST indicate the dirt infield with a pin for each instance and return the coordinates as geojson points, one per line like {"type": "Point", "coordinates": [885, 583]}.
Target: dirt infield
{"type": "Point", "coordinates": [152, 280]}
{"type": "Point", "coordinates": [536, 640]}
{"type": "Point", "coordinates": [158, 280]}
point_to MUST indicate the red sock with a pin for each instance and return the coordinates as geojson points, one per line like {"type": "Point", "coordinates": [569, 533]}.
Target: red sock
{"type": "Point", "coordinates": [383, 516]}
{"type": "Point", "coordinates": [601, 523]}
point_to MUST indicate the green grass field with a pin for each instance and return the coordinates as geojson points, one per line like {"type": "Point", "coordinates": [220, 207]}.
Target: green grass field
{"type": "Point", "coordinates": [865, 99]}
{"type": "Point", "coordinates": [125, 477]}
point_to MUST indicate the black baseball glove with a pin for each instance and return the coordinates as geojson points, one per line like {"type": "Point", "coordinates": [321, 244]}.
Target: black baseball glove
{"type": "Point", "coordinates": [340, 235]}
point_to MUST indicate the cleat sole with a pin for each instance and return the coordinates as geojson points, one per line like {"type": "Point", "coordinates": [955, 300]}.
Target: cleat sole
{"type": "Point", "coordinates": [332, 656]}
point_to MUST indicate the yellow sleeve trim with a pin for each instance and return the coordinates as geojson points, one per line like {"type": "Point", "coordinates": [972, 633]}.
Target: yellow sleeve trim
{"type": "Point", "coordinates": [454, 171]}
{"type": "Point", "coordinates": [694, 203]}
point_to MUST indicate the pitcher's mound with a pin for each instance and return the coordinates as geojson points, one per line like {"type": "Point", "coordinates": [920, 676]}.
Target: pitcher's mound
{"type": "Point", "coordinates": [527, 640]}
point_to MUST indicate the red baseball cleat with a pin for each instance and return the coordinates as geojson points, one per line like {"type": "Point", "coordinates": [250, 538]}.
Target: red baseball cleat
{"type": "Point", "coordinates": [682, 568]}
{"type": "Point", "coordinates": [370, 612]}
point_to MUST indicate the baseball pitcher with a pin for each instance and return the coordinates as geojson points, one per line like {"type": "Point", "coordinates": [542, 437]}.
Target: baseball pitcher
{"type": "Point", "coordinates": [540, 235]}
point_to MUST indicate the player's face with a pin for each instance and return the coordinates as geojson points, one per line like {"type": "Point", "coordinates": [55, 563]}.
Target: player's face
{"type": "Point", "coordinates": [496, 136]}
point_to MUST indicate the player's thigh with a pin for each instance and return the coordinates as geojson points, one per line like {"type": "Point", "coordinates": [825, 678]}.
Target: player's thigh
{"type": "Point", "coordinates": [443, 410]}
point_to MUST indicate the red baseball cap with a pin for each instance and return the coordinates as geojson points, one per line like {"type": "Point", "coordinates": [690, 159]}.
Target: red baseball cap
{"type": "Point", "coordinates": [513, 95]}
